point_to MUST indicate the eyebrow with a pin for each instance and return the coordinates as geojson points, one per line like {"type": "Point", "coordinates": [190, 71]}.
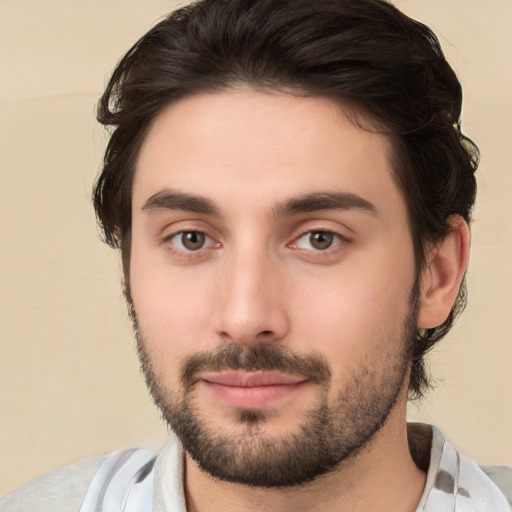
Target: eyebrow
{"type": "Point", "coordinates": [323, 201]}
{"type": "Point", "coordinates": [173, 200]}
{"type": "Point", "coordinates": [168, 199]}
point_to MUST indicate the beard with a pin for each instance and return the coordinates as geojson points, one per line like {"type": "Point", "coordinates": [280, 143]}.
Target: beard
{"type": "Point", "coordinates": [331, 433]}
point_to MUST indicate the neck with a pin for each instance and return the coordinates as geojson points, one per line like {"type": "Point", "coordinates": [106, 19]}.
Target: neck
{"type": "Point", "coordinates": [383, 472]}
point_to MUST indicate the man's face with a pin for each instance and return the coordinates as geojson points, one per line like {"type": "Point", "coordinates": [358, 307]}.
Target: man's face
{"type": "Point", "coordinates": [272, 278]}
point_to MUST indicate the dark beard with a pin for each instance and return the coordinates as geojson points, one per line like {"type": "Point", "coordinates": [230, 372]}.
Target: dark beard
{"type": "Point", "coordinates": [329, 435]}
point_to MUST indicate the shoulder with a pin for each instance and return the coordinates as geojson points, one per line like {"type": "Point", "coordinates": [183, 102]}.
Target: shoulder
{"type": "Point", "coordinates": [502, 478]}
{"type": "Point", "coordinates": [62, 490]}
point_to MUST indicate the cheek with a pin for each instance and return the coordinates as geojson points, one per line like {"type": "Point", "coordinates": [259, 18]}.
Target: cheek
{"type": "Point", "coordinates": [353, 315]}
{"type": "Point", "coordinates": [356, 301]}
{"type": "Point", "coordinates": [172, 308]}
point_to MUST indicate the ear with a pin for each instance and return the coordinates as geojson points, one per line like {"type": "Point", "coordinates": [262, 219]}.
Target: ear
{"type": "Point", "coordinates": [443, 274]}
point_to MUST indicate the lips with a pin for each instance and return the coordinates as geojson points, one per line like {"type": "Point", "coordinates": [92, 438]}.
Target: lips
{"type": "Point", "coordinates": [250, 379]}
{"type": "Point", "coordinates": [251, 390]}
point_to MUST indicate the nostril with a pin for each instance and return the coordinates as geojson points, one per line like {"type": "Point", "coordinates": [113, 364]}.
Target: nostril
{"type": "Point", "coordinates": [266, 333]}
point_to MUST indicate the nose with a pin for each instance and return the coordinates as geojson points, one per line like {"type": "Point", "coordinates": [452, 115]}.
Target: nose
{"type": "Point", "coordinates": [251, 303]}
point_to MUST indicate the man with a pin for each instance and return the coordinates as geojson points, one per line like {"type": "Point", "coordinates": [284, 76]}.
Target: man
{"type": "Point", "coordinates": [291, 193]}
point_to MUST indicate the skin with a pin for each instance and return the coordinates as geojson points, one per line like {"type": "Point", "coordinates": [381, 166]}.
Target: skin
{"type": "Point", "coordinates": [259, 279]}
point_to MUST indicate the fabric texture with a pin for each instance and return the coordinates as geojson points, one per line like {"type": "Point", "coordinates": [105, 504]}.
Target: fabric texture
{"type": "Point", "coordinates": [138, 480]}
{"type": "Point", "coordinates": [61, 490]}
{"type": "Point", "coordinates": [455, 483]}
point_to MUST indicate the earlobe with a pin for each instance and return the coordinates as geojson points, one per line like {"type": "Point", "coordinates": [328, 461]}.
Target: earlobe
{"type": "Point", "coordinates": [443, 274]}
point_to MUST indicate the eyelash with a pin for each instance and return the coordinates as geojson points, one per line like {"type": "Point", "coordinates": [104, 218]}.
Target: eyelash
{"type": "Point", "coordinates": [338, 240]}
{"type": "Point", "coordinates": [184, 252]}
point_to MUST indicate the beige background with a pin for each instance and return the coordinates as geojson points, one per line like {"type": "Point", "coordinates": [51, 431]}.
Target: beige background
{"type": "Point", "coordinates": [69, 380]}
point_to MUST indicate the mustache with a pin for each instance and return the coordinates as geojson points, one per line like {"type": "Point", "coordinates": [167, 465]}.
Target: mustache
{"type": "Point", "coordinates": [257, 357]}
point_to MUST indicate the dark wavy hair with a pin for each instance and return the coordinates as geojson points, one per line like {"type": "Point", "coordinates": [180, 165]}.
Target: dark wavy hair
{"type": "Point", "coordinates": [375, 61]}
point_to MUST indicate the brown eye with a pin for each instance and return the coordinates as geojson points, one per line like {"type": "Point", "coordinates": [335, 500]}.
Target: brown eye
{"type": "Point", "coordinates": [318, 240]}
{"type": "Point", "coordinates": [192, 240]}
{"type": "Point", "coordinates": [321, 240]}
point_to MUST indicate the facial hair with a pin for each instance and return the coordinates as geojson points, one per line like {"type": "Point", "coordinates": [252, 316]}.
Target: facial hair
{"type": "Point", "coordinates": [330, 435]}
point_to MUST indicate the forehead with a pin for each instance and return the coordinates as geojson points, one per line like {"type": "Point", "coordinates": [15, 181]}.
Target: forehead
{"type": "Point", "coordinates": [248, 147]}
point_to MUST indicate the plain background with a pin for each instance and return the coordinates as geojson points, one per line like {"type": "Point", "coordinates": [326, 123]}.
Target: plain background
{"type": "Point", "coordinates": [69, 380]}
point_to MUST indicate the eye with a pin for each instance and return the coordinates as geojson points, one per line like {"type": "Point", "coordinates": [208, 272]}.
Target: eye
{"type": "Point", "coordinates": [190, 241]}
{"type": "Point", "coordinates": [317, 240]}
